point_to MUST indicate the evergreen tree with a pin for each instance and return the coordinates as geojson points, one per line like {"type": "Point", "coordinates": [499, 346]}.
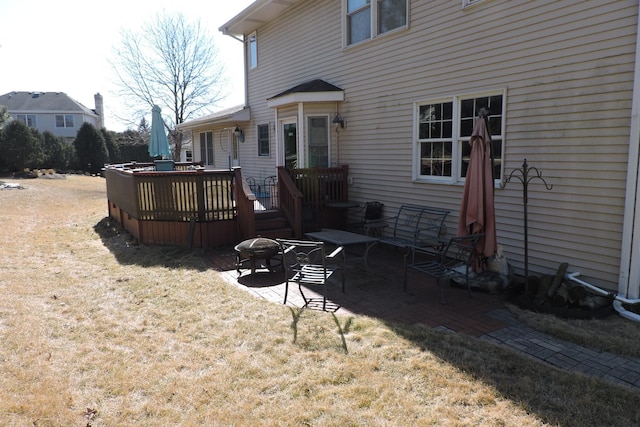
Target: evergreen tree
{"type": "Point", "coordinates": [91, 150]}
{"type": "Point", "coordinates": [112, 147]}
{"type": "Point", "coordinates": [21, 147]}
{"type": "Point", "coordinates": [57, 152]}
{"type": "Point", "coordinates": [4, 116]}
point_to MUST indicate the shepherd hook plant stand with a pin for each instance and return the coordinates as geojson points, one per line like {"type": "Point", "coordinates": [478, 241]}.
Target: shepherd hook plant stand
{"type": "Point", "coordinates": [522, 174]}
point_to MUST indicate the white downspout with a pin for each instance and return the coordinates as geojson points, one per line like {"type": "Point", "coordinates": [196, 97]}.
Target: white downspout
{"type": "Point", "coordinates": [617, 299]}
{"type": "Point", "coordinates": [629, 279]}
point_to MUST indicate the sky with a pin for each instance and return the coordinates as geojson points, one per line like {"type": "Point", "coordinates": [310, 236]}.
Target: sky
{"type": "Point", "coordinates": [65, 45]}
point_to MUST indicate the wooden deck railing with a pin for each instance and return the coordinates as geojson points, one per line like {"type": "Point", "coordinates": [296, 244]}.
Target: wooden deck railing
{"type": "Point", "coordinates": [304, 192]}
{"type": "Point", "coordinates": [157, 207]}
{"type": "Point", "coordinates": [290, 199]}
{"type": "Point", "coordinates": [213, 208]}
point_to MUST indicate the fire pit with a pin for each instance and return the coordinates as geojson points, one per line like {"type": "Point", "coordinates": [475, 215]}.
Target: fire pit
{"type": "Point", "coordinates": [259, 248]}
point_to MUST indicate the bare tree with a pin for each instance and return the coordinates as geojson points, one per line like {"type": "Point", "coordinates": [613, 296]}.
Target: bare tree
{"type": "Point", "coordinates": [171, 63]}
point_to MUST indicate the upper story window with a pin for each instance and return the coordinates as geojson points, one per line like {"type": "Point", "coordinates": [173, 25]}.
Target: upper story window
{"type": "Point", "coordinates": [263, 140]}
{"type": "Point", "coordinates": [366, 19]}
{"type": "Point", "coordinates": [252, 51]}
{"type": "Point", "coordinates": [64, 121]}
{"type": "Point", "coordinates": [443, 129]}
{"type": "Point", "coordinates": [27, 119]}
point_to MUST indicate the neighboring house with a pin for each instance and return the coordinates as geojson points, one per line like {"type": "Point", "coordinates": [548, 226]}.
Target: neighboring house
{"type": "Point", "coordinates": [55, 112]}
{"type": "Point", "coordinates": [407, 78]}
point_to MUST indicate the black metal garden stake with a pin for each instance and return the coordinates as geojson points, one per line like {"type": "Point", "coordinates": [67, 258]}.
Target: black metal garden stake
{"type": "Point", "coordinates": [522, 174]}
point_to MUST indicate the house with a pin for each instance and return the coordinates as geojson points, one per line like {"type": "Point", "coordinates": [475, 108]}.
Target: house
{"type": "Point", "coordinates": [55, 112]}
{"type": "Point", "coordinates": [392, 89]}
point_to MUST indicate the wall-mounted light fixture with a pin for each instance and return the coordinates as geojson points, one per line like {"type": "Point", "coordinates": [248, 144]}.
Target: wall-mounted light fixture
{"type": "Point", "coordinates": [338, 120]}
{"type": "Point", "coordinates": [239, 134]}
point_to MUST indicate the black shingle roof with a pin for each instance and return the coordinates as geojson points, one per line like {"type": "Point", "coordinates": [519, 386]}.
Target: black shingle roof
{"type": "Point", "coordinates": [316, 85]}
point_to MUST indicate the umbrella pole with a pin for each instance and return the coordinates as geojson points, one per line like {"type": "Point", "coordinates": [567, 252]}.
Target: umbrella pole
{"type": "Point", "coordinates": [522, 175]}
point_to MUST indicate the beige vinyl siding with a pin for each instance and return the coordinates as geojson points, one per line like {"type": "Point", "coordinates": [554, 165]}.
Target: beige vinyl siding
{"type": "Point", "coordinates": [567, 70]}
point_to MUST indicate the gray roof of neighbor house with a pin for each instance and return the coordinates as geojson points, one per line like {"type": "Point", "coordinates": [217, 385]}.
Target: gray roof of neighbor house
{"type": "Point", "coordinates": [42, 102]}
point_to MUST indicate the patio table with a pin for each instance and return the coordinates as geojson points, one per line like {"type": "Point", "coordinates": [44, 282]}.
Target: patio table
{"type": "Point", "coordinates": [344, 238]}
{"type": "Point", "coordinates": [339, 214]}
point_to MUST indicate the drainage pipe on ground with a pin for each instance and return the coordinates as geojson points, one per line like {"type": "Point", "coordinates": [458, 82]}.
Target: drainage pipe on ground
{"type": "Point", "coordinates": [617, 299]}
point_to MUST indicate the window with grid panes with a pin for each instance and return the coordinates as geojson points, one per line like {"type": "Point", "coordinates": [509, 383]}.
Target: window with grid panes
{"type": "Point", "coordinates": [444, 129]}
{"type": "Point", "coordinates": [263, 140]}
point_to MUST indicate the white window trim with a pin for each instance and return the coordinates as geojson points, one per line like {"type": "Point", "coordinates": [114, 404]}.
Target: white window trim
{"type": "Point", "coordinates": [456, 139]}
{"type": "Point", "coordinates": [64, 120]}
{"type": "Point", "coordinates": [308, 117]}
{"type": "Point", "coordinates": [251, 65]}
{"type": "Point", "coordinates": [26, 119]}
{"type": "Point", "coordinates": [268, 139]}
{"type": "Point", "coordinates": [373, 24]}
{"type": "Point", "coordinates": [205, 160]}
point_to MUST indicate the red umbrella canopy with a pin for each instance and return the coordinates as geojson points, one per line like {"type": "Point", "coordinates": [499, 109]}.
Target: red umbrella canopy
{"type": "Point", "coordinates": [477, 211]}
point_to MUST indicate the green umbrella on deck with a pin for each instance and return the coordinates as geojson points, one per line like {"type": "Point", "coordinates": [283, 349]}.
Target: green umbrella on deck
{"type": "Point", "coordinates": [158, 142]}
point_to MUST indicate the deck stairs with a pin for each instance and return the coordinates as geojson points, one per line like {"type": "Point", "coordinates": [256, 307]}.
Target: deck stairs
{"type": "Point", "coordinates": [272, 224]}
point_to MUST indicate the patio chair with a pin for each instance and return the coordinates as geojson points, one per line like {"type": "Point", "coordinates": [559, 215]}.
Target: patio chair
{"type": "Point", "coordinates": [452, 260]}
{"type": "Point", "coordinates": [371, 220]}
{"type": "Point", "coordinates": [306, 264]}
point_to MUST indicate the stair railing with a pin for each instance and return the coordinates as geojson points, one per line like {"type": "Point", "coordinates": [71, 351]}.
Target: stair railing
{"type": "Point", "coordinates": [290, 203]}
{"type": "Point", "coordinates": [244, 206]}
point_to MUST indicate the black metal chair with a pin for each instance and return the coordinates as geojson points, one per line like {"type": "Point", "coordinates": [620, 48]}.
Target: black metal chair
{"type": "Point", "coordinates": [307, 264]}
{"type": "Point", "coordinates": [452, 260]}
{"type": "Point", "coordinates": [371, 221]}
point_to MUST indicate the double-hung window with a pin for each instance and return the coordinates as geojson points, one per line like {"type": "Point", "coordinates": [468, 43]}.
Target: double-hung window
{"type": "Point", "coordinates": [366, 19]}
{"type": "Point", "coordinates": [443, 130]}
{"type": "Point", "coordinates": [263, 140]}
{"type": "Point", "coordinates": [206, 148]}
{"type": "Point", "coordinates": [64, 121]}
{"type": "Point", "coordinates": [27, 119]}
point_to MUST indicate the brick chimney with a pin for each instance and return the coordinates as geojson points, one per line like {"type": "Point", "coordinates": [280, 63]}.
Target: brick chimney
{"type": "Point", "coordinates": [99, 110]}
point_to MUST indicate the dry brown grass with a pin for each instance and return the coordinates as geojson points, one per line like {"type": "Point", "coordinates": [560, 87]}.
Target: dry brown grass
{"type": "Point", "coordinates": [96, 330]}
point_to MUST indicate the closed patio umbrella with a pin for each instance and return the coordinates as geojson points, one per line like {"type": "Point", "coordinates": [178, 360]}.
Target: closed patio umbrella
{"type": "Point", "coordinates": [158, 142]}
{"type": "Point", "coordinates": [477, 211]}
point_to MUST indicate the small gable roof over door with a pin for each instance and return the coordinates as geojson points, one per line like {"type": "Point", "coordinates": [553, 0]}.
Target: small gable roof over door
{"type": "Point", "coordinates": [312, 91]}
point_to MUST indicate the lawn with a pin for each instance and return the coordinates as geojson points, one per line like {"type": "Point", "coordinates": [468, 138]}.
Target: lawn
{"type": "Point", "coordinates": [99, 331]}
